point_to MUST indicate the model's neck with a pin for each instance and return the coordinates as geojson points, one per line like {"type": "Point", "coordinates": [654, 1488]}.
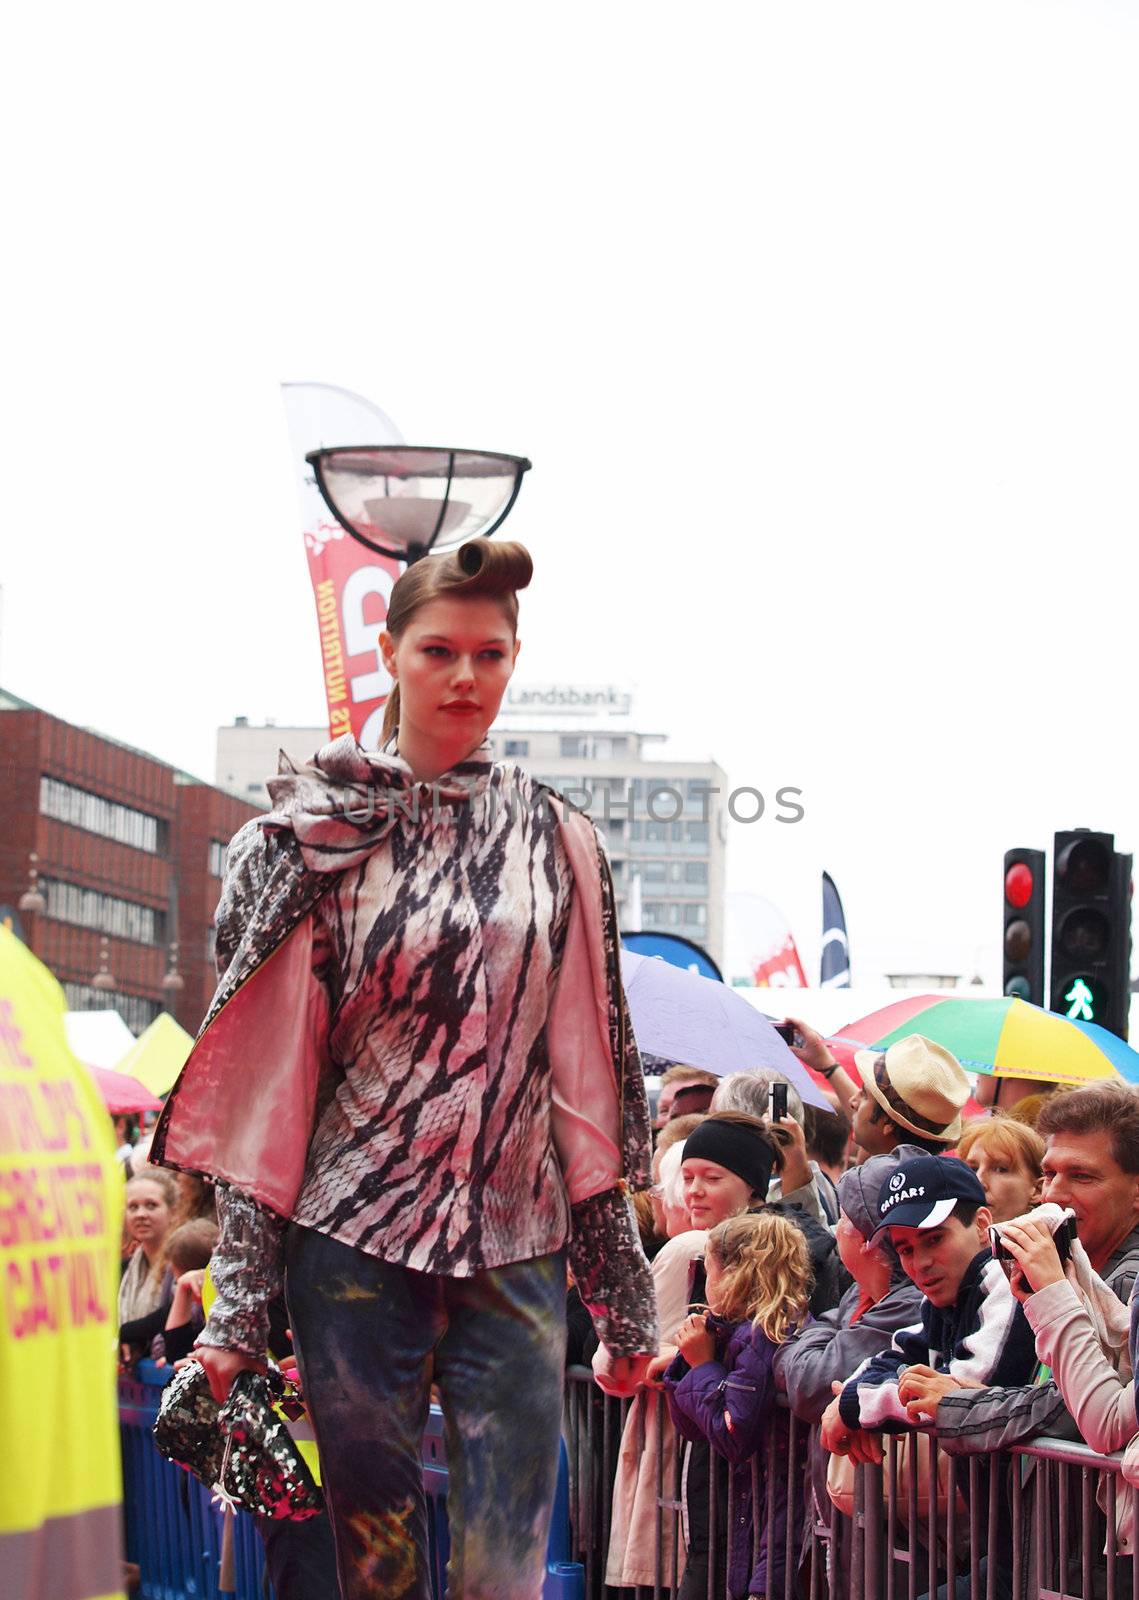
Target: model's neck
{"type": "Point", "coordinates": [429, 758]}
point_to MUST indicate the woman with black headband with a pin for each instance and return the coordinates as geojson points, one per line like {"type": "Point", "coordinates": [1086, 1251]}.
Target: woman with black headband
{"type": "Point", "coordinates": [727, 1168]}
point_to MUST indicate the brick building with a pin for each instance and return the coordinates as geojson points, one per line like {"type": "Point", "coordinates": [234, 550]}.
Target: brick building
{"type": "Point", "coordinates": [128, 848]}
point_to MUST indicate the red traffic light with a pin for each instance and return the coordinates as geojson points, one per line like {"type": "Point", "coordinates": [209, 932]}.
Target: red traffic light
{"type": "Point", "coordinates": [1018, 885]}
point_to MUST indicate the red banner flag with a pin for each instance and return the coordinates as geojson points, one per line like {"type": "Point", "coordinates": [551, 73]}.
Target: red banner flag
{"type": "Point", "coordinates": [782, 969]}
{"type": "Point", "coordinates": [351, 583]}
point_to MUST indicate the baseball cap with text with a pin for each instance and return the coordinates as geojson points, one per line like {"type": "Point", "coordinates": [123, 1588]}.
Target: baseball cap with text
{"type": "Point", "coordinates": [923, 1192]}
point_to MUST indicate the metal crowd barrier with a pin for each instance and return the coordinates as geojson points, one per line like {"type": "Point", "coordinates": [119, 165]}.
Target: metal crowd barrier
{"type": "Point", "coordinates": [174, 1533]}
{"type": "Point", "coordinates": [1029, 1524]}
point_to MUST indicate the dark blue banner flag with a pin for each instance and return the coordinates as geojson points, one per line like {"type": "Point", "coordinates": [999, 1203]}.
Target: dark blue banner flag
{"type": "Point", "coordinates": [834, 963]}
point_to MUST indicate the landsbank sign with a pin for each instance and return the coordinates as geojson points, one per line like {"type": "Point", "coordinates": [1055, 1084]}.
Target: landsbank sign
{"type": "Point", "coordinates": [555, 699]}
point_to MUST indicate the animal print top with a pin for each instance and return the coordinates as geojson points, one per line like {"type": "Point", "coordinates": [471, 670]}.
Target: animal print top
{"type": "Point", "coordinates": [440, 952]}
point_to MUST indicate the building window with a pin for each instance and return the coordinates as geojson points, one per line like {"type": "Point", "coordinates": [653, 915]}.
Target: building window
{"type": "Point", "coordinates": [697, 832]}
{"type": "Point", "coordinates": [677, 831]}
{"type": "Point", "coordinates": [653, 913]}
{"type": "Point", "coordinates": [674, 916]}
{"type": "Point", "coordinates": [572, 745]}
{"type": "Point", "coordinates": [656, 832]}
{"type": "Point", "coordinates": [695, 916]}
{"type": "Point", "coordinates": [84, 810]}
{"type": "Point", "coordinates": [86, 908]}
{"type": "Point", "coordinates": [696, 872]}
{"type": "Point", "coordinates": [138, 1013]}
{"type": "Point", "coordinates": [516, 747]}
{"type": "Point", "coordinates": [654, 871]}
{"type": "Point", "coordinates": [218, 854]}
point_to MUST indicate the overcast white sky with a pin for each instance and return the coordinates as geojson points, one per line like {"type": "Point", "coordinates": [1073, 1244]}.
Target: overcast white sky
{"type": "Point", "coordinates": [819, 324]}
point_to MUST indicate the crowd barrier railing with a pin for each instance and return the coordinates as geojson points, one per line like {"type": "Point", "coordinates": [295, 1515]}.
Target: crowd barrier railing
{"type": "Point", "coordinates": [1017, 1525]}
{"type": "Point", "coordinates": [174, 1531]}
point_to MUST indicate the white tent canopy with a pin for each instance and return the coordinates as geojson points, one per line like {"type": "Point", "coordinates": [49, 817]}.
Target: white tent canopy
{"type": "Point", "coordinates": [98, 1038]}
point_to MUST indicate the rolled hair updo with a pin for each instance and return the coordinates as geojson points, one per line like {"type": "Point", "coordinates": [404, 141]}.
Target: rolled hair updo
{"type": "Point", "coordinates": [479, 569]}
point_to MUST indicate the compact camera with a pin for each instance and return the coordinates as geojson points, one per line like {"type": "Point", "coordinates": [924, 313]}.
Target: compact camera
{"type": "Point", "coordinates": [1062, 1223]}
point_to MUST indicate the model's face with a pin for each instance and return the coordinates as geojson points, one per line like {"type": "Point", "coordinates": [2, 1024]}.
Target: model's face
{"type": "Point", "coordinates": [1010, 1189]}
{"type": "Point", "coordinates": [453, 662]}
{"type": "Point", "coordinates": [148, 1215]}
{"type": "Point", "coordinates": [868, 1267]}
{"type": "Point", "coordinates": [1081, 1172]}
{"type": "Point", "coordinates": [712, 1193]}
{"type": "Point", "coordinates": [938, 1258]}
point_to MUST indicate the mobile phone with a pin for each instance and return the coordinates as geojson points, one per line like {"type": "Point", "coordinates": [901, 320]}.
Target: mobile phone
{"type": "Point", "coordinates": [789, 1033]}
{"type": "Point", "coordinates": [778, 1101]}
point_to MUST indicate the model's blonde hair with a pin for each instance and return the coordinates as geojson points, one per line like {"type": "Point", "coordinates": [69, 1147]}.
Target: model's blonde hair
{"type": "Point", "coordinates": [477, 569]}
{"type": "Point", "coordinates": [766, 1272]}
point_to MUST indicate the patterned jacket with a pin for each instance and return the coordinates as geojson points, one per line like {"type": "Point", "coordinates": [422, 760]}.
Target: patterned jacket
{"type": "Point", "coordinates": [255, 1087]}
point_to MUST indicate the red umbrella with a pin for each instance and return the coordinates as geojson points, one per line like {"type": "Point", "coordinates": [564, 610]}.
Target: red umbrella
{"type": "Point", "coordinates": [122, 1094]}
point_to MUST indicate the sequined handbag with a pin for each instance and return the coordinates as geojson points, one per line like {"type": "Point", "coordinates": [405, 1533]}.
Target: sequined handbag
{"type": "Point", "coordinates": [242, 1450]}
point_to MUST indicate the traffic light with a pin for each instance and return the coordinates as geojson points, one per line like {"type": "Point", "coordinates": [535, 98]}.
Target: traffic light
{"type": "Point", "coordinates": [1091, 930]}
{"type": "Point", "coordinates": [1024, 925]}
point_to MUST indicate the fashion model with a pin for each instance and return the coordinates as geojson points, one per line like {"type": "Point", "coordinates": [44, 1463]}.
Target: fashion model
{"type": "Point", "coordinates": [419, 1093]}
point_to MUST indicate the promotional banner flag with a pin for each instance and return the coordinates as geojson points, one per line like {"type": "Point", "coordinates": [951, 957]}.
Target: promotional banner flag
{"type": "Point", "coordinates": [834, 962]}
{"type": "Point", "coordinates": [351, 584]}
{"type": "Point", "coordinates": [781, 967]}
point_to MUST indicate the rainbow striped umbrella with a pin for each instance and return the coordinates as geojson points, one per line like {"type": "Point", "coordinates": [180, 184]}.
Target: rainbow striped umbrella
{"type": "Point", "coordinates": [1005, 1037]}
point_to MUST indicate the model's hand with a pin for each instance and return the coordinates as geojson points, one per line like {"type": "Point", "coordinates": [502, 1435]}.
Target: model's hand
{"type": "Point", "coordinates": [222, 1367]}
{"type": "Point", "coordinates": [658, 1366]}
{"type": "Point", "coordinates": [1033, 1248]}
{"type": "Point", "coordinates": [626, 1374]}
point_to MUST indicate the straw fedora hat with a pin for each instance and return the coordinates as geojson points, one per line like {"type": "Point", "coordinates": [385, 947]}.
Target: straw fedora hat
{"type": "Point", "coordinates": [920, 1086]}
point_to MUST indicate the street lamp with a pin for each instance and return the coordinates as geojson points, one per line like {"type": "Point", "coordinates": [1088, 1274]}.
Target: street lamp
{"type": "Point", "coordinates": [173, 982]}
{"type": "Point", "coordinates": [104, 978]}
{"type": "Point", "coordinates": [32, 898]}
{"type": "Point", "coordinates": [404, 500]}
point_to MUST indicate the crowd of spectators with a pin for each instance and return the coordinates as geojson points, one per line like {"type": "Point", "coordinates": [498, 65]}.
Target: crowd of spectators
{"type": "Point", "coordinates": [908, 1319]}
{"type": "Point", "coordinates": [834, 1265]}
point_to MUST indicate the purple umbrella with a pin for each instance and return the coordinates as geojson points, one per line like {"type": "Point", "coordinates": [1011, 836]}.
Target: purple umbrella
{"type": "Point", "coordinates": [690, 1019]}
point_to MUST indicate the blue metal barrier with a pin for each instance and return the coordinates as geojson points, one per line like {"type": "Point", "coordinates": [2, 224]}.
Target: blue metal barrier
{"type": "Point", "coordinates": [174, 1533]}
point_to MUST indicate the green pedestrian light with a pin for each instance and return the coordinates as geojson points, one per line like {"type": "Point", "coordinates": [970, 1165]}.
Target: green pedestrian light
{"type": "Point", "coordinates": [1079, 1002]}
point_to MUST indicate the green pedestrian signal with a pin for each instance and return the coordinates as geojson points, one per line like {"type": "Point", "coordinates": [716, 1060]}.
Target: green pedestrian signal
{"type": "Point", "coordinates": [1079, 1001]}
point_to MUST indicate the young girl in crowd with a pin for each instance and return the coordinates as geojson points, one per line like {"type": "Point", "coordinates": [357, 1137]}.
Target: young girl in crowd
{"type": "Point", "coordinates": [721, 1385]}
{"type": "Point", "coordinates": [1007, 1156]}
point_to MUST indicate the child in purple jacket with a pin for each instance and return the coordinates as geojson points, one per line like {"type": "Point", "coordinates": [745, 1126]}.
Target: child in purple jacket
{"type": "Point", "coordinates": [721, 1387]}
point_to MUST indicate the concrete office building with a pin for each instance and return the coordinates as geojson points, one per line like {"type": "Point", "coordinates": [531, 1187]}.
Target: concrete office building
{"type": "Point", "coordinates": [662, 821]}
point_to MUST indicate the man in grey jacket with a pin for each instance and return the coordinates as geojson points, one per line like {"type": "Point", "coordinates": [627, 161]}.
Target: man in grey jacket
{"type": "Point", "coordinates": [881, 1301]}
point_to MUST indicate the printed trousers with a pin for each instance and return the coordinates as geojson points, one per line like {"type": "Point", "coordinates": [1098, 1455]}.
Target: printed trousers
{"type": "Point", "coordinates": [370, 1339]}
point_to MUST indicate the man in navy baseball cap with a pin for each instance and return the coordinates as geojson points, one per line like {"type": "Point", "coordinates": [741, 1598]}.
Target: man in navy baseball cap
{"type": "Point", "coordinates": [935, 1212]}
{"type": "Point", "coordinates": [972, 1330]}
